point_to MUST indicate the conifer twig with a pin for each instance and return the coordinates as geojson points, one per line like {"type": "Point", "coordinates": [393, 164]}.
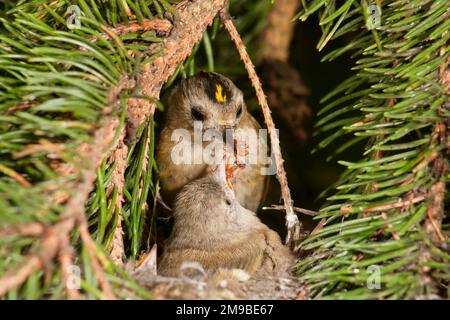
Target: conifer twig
{"type": "Point", "coordinates": [389, 206]}
{"type": "Point", "coordinates": [118, 180]}
{"type": "Point", "coordinates": [15, 175]}
{"type": "Point", "coordinates": [292, 223]}
{"type": "Point", "coordinates": [296, 209]}
{"type": "Point", "coordinates": [90, 247]}
{"type": "Point", "coordinates": [50, 245]}
{"type": "Point", "coordinates": [33, 229]}
{"type": "Point", "coordinates": [47, 250]}
{"type": "Point", "coordinates": [66, 262]}
{"type": "Point", "coordinates": [16, 277]}
{"type": "Point", "coordinates": [158, 25]}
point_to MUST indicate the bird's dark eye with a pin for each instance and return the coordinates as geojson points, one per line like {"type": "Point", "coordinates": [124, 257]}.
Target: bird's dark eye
{"type": "Point", "coordinates": [239, 112]}
{"type": "Point", "coordinates": [228, 202]}
{"type": "Point", "coordinates": [197, 115]}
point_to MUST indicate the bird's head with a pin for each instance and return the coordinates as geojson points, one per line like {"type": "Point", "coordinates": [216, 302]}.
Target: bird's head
{"type": "Point", "coordinates": [209, 98]}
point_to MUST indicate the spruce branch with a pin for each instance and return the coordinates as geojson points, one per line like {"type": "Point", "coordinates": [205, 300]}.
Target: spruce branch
{"type": "Point", "coordinates": [48, 249]}
{"type": "Point", "coordinates": [58, 234]}
{"type": "Point", "coordinates": [118, 157]}
{"type": "Point", "coordinates": [68, 110]}
{"type": "Point", "coordinates": [33, 229]}
{"type": "Point", "coordinates": [66, 263]}
{"type": "Point", "coordinates": [55, 239]}
{"type": "Point", "coordinates": [161, 26]}
{"type": "Point", "coordinates": [91, 247]}
{"type": "Point", "coordinates": [388, 208]}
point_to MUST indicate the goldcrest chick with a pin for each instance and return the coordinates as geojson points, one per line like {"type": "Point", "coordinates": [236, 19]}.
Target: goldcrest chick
{"type": "Point", "coordinates": [212, 229]}
{"type": "Point", "coordinates": [214, 101]}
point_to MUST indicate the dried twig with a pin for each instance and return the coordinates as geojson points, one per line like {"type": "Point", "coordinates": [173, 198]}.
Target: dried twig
{"type": "Point", "coordinates": [15, 175]}
{"type": "Point", "coordinates": [389, 206]}
{"type": "Point", "coordinates": [158, 25]}
{"type": "Point", "coordinates": [318, 227]}
{"type": "Point", "coordinates": [33, 229]}
{"type": "Point", "coordinates": [433, 224]}
{"type": "Point", "coordinates": [118, 180]}
{"type": "Point", "coordinates": [16, 277]}
{"type": "Point", "coordinates": [436, 194]}
{"type": "Point", "coordinates": [296, 209]}
{"type": "Point", "coordinates": [90, 246]}
{"type": "Point", "coordinates": [50, 245]}
{"type": "Point", "coordinates": [66, 262]}
{"type": "Point", "coordinates": [39, 259]}
{"type": "Point", "coordinates": [292, 223]}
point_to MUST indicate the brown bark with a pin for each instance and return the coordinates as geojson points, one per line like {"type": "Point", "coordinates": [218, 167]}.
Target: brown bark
{"type": "Point", "coordinates": [118, 180]}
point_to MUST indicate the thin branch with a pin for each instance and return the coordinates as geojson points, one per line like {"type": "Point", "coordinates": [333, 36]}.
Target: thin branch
{"type": "Point", "coordinates": [33, 229]}
{"type": "Point", "coordinates": [16, 108]}
{"type": "Point", "coordinates": [394, 234]}
{"type": "Point", "coordinates": [436, 194]}
{"type": "Point", "coordinates": [15, 277]}
{"type": "Point", "coordinates": [15, 175]}
{"type": "Point", "coordinates": [158, 25]}
{"type": "Point", "coordinates": [434, 213]}
{"type": "Point", "coordinates": [90, 246]}
{"type": "Point", "coordinates": [394, 205]}
{"type": "Point", "coordinates": [292, 223]}
{"type": "Point", "coordinates": [43, 146]}
{"type": "Point", "coordinates": [66, 263]}
{"type": "Point", "coordinates": [47, 250]}
{"type": "Point", "coordinates": [296, 209]}
{"type": "Point", "coordinates": [93, 154]}
{"type": "Point", "coordinates": [318, 227]}
{"type": "Point", "coordinates": [119, 157]}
